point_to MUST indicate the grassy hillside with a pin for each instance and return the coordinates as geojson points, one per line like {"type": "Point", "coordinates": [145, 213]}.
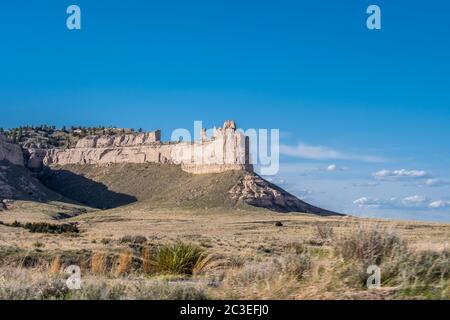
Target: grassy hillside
{"type": "Point", "coordinates": [156, 185]}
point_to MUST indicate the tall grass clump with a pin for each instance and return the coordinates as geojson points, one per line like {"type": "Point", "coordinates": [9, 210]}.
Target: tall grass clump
{"type": "Point", "coordinates": [146, 257]}
{"type": "Point", "coordinates": [55, 265]}
{"type": "Point", "coordinates": [277, 278]}
{"type": "Point", "coordinates": [369, 245]}
{"type": "Point", "coordinates": [123, 263]}
{"type": "Point", "coordinates": [178, 258]}
{"type": "Point", "coordinates": [426, 274]}
{"type": "Point", "coordinates": [211, 263]}
{"type": "Point", "coordinates": [98, 263]}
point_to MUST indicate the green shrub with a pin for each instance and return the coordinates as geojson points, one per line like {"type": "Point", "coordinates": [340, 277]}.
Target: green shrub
{"type": "Point", "coordinates": [179, 258]}
{"type": "Point", "coordinates": [43, 227]}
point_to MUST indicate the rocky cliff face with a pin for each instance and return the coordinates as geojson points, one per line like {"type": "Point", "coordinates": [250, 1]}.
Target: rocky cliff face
{"type": "Point", "coordinates": [255, 191]}
{"type": "Point", "coordinates": [105, 156]}
{"type": "Point", "coordinates": [227, 150]}
{"type": "Point", "coordinates": [119, 141]}
{"type": "Point", "coordinates": [10, 152]}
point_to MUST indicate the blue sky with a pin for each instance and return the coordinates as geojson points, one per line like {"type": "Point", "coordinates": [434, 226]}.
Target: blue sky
{"type": "Point", "coordinates": [340, 94]}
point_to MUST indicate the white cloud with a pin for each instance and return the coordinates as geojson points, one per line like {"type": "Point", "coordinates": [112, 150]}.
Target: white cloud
{"type": "Point", "coordinates": [439, 204]}
{"type": "Point", "coordinates": [411, 202]}
{"type": "Point", "coordinates": [434, 182]}
{"type": "Point", "coordinates": [420, 178]}
{"type": "Point", "coordinates": [324, 153]}
{"type": "Point", "coordinates": [332, 167]}
{"type": "Point", "coordinates": [375, 202]}
{"type": "Point", "coordinates": [401, 174]}
{"type": "Point", "coordinates": [415, 201]}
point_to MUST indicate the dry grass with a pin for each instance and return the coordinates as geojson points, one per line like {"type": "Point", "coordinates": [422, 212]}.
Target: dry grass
{"type": "Point", "coordinates": [369, 244]}
{"type": "Point", "coordinates": [55, 265]}
{"type": "Point", "coordinates": [275, 279]}
{"type": "Point", "coordinates": [146, 260]}
{"type": "Point", "coordinates": [322, 265]}
{"type": "Point", "coordinates": [37, 284]}
{"type": "Point", "coordinates": [324, 231]}
{"type": "Point", "coordinates": [211, 263]}
{"type": "Point", "coordinates": [123, 263]}
{"type": "Point", "coordinates": [98, 263]}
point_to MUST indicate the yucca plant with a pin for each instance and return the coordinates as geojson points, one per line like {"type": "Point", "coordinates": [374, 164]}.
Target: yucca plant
{"type": "Point", "coordinates": [179, 258]}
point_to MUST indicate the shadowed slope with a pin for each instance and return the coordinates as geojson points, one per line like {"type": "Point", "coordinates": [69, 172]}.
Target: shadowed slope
{"type": "Point", "coordinates": [17, 183]}
{"type": "Point", "coordinates": [29, 200]}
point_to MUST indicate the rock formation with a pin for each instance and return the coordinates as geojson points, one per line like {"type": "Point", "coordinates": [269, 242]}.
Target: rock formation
{"type": "Point", "coordinates": [258, 192]}
{"type": "Point", "coordinates": [227, 150]}
{"type": "Point", "coordinates": [120, 141]}
{"type": "Point", "coordinates": [104, 170]}
{"type": "Point", "coordinates": [10, 152]}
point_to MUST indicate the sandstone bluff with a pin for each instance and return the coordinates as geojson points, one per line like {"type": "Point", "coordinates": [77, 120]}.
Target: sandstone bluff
{"type": "Point", "coordinates": [227, 150]}
{"type": "Point", "coordinates": [109, 170]}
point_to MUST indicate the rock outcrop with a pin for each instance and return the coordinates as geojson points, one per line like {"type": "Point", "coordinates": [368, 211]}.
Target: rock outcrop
{"type": "Point", "coordinates": [120, 141]}
{"type": "Point", "coordinates": [256, 191]}
{"type": "Point", "coordinates": [10, 152]}
{"type": "Point", "coordinates": [35, 158]}
{"type": "Point", "coordinates": [227, 150]}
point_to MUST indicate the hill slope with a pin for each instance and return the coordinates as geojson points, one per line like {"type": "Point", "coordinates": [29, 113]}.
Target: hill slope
{"type": "Point", "coordinates": [168, 186]}
{"type": "Point", "coordinates": [17, 183]}
{"type": "Point", "coordinates": [27, 199]}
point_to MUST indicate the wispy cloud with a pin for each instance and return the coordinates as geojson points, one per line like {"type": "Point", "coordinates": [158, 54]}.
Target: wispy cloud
{"type": "Point", "coordinates": [412, 202]}
{"type": "Point", "coordinates": [419, 177]}
{"type": "Point", "coordinates": [439, 204]}
{"type": "Point", "coordinates": [401, 174]}
{"type": "Point", "coordinates": [334, 168]}
{"type": "Point", "coordinates": [324, 153]}
{"type": "Point", "coordinates": [368, 202]}
{"type": "Point", "coordinates": [435, 182]}
{"type": "Point", "coordinates": [366, 184]}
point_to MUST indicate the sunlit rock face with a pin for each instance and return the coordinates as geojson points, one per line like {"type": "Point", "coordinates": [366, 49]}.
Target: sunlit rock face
{"type": "Point", "coordinates": [226, 150]}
